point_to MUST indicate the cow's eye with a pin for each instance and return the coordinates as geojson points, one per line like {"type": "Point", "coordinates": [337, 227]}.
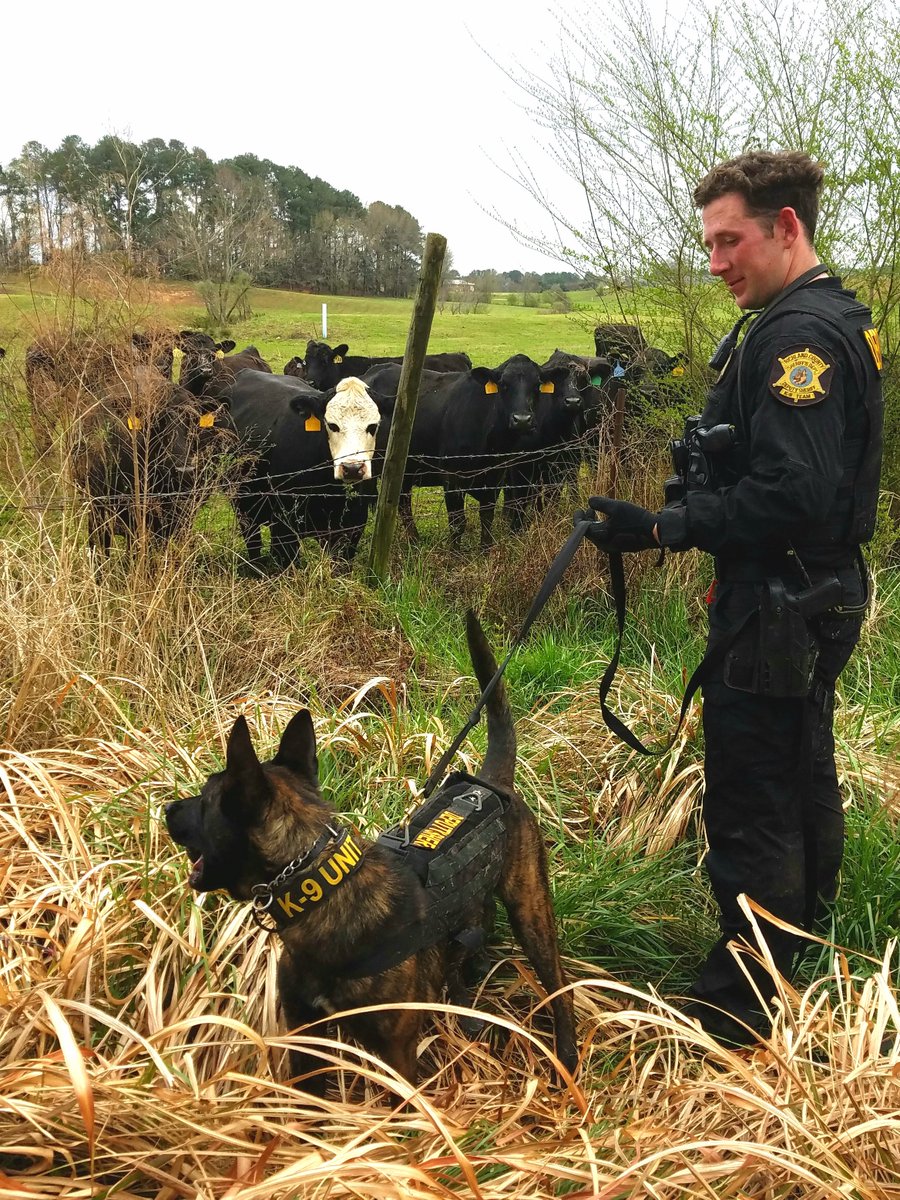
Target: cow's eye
{"type": "Point", "coordinates": [332, 427]}
{"type": "Point", "coordinates": [371, 430]}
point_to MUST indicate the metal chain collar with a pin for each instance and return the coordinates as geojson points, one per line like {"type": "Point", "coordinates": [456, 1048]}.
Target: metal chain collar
{"type": "Point", "coordinates": [264, 893]}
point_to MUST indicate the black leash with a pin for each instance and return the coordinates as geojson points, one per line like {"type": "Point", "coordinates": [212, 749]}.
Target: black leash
{"type": "Point", "coordinates": [551, 579]}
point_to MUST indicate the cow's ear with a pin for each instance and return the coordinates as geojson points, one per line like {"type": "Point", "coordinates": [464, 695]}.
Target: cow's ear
{"type": "Point", "coordinates": [557, 376]}
{"type": "Point", "coordinates": [297, 750]}
{"type": "Point", "coordinates": [246, 780]}
{"type": "Point", "coordinates": [309, 403]}
{"type": "Point", "coordinates": [339, 351]}
{"type": "Point", "coordinates": [385, 403]}
{"type": "Point", "coordinates": [485, 374]}
{"type": "Point", "coordinates": [226, 346]}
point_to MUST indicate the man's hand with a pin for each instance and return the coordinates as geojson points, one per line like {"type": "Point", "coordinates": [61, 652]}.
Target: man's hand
{"type": "Point", "coordinates": [627, 526]}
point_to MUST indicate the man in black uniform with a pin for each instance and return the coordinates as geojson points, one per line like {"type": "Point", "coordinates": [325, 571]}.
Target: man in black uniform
{"type": "Point", "coordinates": [782, 499]}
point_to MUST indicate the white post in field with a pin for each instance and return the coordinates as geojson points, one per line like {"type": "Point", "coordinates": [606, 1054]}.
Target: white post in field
{"type": "Point", "coordinates": [324, 321]}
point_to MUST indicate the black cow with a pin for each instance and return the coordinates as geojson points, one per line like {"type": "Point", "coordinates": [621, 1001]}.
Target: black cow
{"type": "Point", "coordinates": [618, 341]}
{"type": "Point", "coordinates": [311, 454]}
{"type": "Point", "coordinates": [148, 457]}
{"type": "Point", "coordinates": [551, 451]}
{"type": "Point", "coordinates": [325, 366]}
{"type": "Point", "coordinates": [69, 376]}
{"type": "Point", "coordinates": [208, 368]}
{"type": "Point", "coordinates": [468, 426]}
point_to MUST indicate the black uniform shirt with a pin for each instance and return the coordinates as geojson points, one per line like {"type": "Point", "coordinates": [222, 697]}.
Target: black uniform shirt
{"type": "Point", "coordinates": [801, 398]}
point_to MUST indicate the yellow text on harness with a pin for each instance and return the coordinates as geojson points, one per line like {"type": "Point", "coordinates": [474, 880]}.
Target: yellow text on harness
{"type": "Point", "coordinates": [441, 827]}
{"type": "Point", "coordinates": [316, 886]}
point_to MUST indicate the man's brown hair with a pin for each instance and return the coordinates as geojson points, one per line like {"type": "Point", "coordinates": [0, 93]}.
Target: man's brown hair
{"type": "Point", "coordinates": [769, 181]}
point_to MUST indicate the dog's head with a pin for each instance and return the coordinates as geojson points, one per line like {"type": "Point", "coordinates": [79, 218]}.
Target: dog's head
{"type": "Point", "coordinates": [251, 819]}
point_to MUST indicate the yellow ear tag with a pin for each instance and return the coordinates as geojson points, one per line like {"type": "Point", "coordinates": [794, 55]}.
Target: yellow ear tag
{"type": "Point", "coordinates": [549, 388]}
{"type": "Point", "coordinates": [312, 424]}
{"type": "Point", "coordinates": [678, 370]}
{"type": "Point", "coordinates": [220, 354]}
{"type": "Point", "coordinates": [134, 422]}
{"type": "Point", "coordinates": [337, 358]}
{"type": "Point", "coordinates": [207, 420]}
{"type": "Point", "coordinates": [490, 388]}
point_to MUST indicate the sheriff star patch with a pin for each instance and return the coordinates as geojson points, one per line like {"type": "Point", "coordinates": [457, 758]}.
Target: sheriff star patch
{"type": "Point", "coordinates": [800, 376]}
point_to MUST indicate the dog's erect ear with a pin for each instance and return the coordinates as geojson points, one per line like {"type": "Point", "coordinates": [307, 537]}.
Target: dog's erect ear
{"type": "Point", "coordinates": [242, 765]}
{"type": "Point", "coordinates": [297, 751]}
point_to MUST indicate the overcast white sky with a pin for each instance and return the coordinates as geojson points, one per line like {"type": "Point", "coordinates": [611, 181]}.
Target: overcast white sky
{"type": "Point", "coordinates": [394, 100]}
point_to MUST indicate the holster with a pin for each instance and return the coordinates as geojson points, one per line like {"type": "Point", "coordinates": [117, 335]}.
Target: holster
{"type": "Point", "coordinates": [775, 654]}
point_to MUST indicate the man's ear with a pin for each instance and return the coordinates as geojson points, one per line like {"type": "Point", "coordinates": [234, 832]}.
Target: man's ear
{"type": "Point", "coordinates": [297, 750]}
{"type": "Point", "coordinates": [790, 225]}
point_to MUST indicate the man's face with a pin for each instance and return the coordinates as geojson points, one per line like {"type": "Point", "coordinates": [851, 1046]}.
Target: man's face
{"type": "Point", "coordinates": [753, 262]}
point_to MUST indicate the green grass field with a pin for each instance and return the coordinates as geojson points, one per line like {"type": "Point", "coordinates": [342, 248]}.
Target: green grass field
{"type": "Point", "coordinates": [282, 322]}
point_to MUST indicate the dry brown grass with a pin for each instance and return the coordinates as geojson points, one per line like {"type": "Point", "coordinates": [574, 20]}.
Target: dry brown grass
{"type": "Point", "coordinates": [142, 1055]}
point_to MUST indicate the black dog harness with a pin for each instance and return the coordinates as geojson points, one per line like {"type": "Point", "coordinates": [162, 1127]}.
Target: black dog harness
{"type": "Point", "coordinates": [454, 844]}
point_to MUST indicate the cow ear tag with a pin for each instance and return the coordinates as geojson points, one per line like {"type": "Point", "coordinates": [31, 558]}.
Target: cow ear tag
{"type": "Point", "coordinates": [312, 424]}
{"type": "Point", "coordinates": [678, 372]}
{"type": "Point", "coordinates": [207, 420]}
{"type": "Point", "coordinates": [220, 354]}
{"type": "Point", "coordinates": [134, 422]}
{"type": "Point", "coordinates": [338, 358]}
{"type": "Point", "coordinates": [490, 388]}
{"type": "Point", "coordinates": [548, 387]}
{"type": "Point", "coordinates": [597, 381]}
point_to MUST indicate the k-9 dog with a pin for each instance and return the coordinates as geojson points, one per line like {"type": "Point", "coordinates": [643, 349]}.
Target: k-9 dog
{"type": "Point", "coordinates": [368, 923]}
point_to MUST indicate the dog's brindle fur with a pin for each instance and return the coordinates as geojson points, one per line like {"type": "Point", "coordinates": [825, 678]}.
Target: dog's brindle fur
{"type": "Point", "coordinates": [253, 818]}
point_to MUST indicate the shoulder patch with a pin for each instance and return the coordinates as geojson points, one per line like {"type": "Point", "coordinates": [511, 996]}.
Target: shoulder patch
{"type": "Point", "coordinates": [874, 343]}
{"type": "Point", "coordinates": [800, 376]}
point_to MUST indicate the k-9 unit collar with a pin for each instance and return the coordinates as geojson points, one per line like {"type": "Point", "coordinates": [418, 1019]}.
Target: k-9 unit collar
{"type": "Point", "coordinates": [300, 887]}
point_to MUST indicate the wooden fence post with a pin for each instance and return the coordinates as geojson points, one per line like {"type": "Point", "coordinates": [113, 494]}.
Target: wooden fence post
{"type": "Point", "coordinates": [405, 408]}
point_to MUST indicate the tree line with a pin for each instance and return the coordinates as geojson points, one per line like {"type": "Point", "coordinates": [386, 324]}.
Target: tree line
{"type": "Point", "coordinates": [169, 209]}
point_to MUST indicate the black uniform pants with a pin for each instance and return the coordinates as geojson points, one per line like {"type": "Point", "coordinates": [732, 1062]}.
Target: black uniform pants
{"type": "Point", "coordinates": [771, 807]}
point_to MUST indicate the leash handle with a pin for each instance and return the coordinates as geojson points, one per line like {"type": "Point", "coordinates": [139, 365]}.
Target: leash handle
{"type": "Point", "coordinates": [555, 572]}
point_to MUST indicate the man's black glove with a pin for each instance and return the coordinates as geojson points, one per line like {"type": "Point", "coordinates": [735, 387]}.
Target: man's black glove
{"type": "Point", "coordinates": [627, 526]}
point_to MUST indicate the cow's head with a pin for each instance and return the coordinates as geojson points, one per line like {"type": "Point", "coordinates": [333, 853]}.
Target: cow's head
{"type": "Point", "coordinates": [157, 350]}
{"type": "Point", "coordinates": [296, 367]}
{"type": "Point", "coordinates": [322, 364]}
{"type": "Point", "coordinates": [200, 355]}
{"type": "Point", "coordinates": [351, 419]}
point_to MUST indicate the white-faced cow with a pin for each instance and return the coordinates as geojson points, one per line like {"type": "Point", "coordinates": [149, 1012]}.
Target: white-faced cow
{"type": "Point", "coordinates": [311, 455]}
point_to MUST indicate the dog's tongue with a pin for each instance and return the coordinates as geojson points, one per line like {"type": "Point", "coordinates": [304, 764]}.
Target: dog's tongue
{"type": "Point", "coordinates": [196, 872]}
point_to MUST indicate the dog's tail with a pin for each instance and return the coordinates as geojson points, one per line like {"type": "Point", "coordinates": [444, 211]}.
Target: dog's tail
{"type": "Point", "coordinates": [499, 764]}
